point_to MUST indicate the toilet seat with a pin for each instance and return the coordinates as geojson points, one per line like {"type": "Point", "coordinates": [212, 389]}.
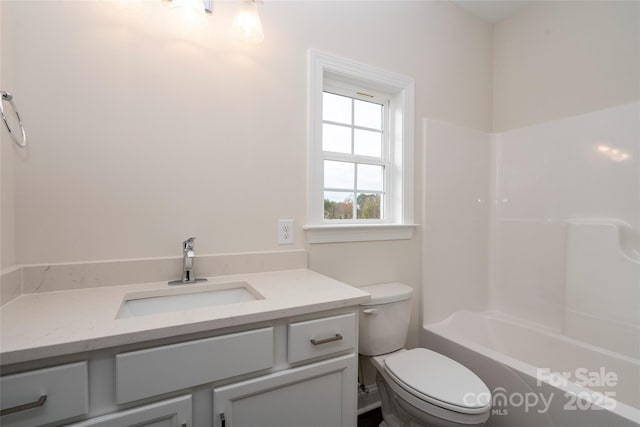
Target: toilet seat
{"type": "Point", "coordinates": [438, 380]}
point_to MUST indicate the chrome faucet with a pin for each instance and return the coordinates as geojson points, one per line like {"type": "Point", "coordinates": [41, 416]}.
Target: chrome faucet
{"type": "Point", "coordinates": [188, 254]}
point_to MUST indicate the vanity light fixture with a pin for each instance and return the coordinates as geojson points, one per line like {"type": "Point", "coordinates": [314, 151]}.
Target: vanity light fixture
{"type": "Point", "coordinates": [246, 25]}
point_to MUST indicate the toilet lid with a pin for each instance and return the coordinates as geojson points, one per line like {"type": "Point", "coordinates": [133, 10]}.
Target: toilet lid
{"type": "Point", "coordinates": [439, 380]}
{"type": "Point", "coordinates": [385, 293]}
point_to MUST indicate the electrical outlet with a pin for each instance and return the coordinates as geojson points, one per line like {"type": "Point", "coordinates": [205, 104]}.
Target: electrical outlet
{"type": "Point", "coordinates": [285, 231]}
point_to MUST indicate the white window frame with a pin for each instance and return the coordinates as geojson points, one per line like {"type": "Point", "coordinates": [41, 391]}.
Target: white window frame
{"type": "Point", "coordinates": [398, 224]}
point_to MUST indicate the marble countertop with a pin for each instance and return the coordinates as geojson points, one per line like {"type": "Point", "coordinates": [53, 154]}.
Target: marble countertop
{"type": "Point", "coordinates": [42, 325]}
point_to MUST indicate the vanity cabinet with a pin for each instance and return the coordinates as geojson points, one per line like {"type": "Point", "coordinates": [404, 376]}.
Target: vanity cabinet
{"type": "Point", "coordinates": [289, 372]}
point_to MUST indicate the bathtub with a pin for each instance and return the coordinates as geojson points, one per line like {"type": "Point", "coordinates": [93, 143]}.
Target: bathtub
{"type": "Point", "coordinates": [538, 377]}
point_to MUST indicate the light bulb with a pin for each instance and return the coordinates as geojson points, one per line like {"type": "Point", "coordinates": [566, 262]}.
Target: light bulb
{"type": "Point", "coordinates": [192, 9]}
{"type": "Point", "coordinates": [246, 26]}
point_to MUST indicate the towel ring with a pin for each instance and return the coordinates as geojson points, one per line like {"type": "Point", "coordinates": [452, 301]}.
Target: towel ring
{"type": "Point", "coordinates": [6, 96]}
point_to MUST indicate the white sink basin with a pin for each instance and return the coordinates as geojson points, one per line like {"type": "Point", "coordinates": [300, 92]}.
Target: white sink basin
{"type": "Point", "coordinates": [185, 298]}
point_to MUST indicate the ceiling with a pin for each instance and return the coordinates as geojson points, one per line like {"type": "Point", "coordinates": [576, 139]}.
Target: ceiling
{"type": "Point", "coordinates": [492, 10]}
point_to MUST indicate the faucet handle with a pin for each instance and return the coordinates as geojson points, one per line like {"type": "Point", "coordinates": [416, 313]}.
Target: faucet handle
{"type": "Point", "coordinates": [188, 244]}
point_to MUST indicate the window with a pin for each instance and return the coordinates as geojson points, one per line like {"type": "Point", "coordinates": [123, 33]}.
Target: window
{"type": "Point", "coordinates": [361, 152]}
{"type": "Point", "coordinates": [355, 153]}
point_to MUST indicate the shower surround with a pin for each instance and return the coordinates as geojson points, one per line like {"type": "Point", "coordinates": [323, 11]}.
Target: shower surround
{"type": "Point", "coordinates": [561, 250]}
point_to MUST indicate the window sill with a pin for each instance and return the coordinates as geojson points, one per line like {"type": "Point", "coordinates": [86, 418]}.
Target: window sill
{"type": "Point", "coordinates": [358, 232]}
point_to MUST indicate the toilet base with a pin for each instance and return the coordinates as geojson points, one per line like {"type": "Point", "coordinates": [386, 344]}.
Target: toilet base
{"type": "Point", "coordinates": [398, 412]}
{"type": "Point", "coordinates": [395, 412]}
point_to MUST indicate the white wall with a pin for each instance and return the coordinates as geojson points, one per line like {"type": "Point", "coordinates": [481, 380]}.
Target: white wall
{"type": "Point", "coordinates": [556, 59]}
{"type": "Point", "coordinates": [143, 133]}
{"type": "Point", "coordinates": [7, 223]}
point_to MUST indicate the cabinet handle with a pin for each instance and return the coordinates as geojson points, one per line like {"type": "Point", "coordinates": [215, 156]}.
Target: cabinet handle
{"type": "Point", "coordinates": [223, 421]}
{"type": "Point", "coordinates": [314, 341]}
{"type": "Point", "coordinates": [24, 407]}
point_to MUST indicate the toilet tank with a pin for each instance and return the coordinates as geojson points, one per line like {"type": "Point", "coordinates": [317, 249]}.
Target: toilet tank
{"type": "Point", "coordinates": [384, 321]}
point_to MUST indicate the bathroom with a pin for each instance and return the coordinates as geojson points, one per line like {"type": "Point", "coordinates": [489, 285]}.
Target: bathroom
{"type": "Point", "coordinates": [145, 128]}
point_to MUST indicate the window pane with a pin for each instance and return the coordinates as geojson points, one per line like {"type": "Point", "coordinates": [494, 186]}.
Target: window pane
{"type": "Point", "coordinates": [338, 205]}
{"type": "Point", "coordinates": [336, 138]}
{"type": "Point", "coordinates": [367, 114]}
{"type": "Point", "coordinates": [369, 206]}
{"type": "Point", "coordinates": [339, 175]}
{"type": "Point", "coordinates": [367, 143]}
{"type": "Point", "coordinates": [336, 108]}
{"type": "Point", "coordinates": [370, 177]}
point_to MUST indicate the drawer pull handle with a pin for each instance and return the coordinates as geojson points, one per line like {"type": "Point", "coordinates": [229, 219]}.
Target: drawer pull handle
{"type": "Point", "coordinates": [314, 341]}
{"type": "Point", "coordinates": [25, 407]}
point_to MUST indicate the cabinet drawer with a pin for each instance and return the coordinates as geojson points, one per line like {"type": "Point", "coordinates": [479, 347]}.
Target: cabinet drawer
{"type": "Point", "coordinates": [45, 395]}
{"type": "Point", "coordinates": [169, 413]}
{"type": "Point", "coordinates": [321, 337]}
{"type": "Point", "coordinates": [159, 370]}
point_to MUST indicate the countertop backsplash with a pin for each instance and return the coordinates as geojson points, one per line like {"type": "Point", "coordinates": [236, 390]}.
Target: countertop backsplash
{"type": "Point", "coordinates": [27, 279]}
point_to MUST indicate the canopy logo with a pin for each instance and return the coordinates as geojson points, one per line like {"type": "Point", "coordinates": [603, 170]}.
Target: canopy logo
{"type": "Point", "coordinates": [585, 398]}
{"type": "Point", "coordinates": [501, 401]}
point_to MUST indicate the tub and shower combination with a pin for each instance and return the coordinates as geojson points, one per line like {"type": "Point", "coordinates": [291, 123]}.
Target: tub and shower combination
{"type": "Point", "coordinates": [584, 373]}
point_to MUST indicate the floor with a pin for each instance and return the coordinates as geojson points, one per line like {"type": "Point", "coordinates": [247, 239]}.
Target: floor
{"type": "Point", "coordinates": [370, 419]}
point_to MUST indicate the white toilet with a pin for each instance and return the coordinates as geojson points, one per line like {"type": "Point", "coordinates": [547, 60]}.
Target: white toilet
{"type": "Point", "coordinates": [417, 387]}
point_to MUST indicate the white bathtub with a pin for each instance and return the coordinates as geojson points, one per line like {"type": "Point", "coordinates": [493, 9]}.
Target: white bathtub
{"type": "Point", "coordinates": [522, 364]}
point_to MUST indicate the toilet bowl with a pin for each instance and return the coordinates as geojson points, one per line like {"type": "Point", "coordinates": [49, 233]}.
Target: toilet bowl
{"type": "Point", "coordinates": [417, 387]}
